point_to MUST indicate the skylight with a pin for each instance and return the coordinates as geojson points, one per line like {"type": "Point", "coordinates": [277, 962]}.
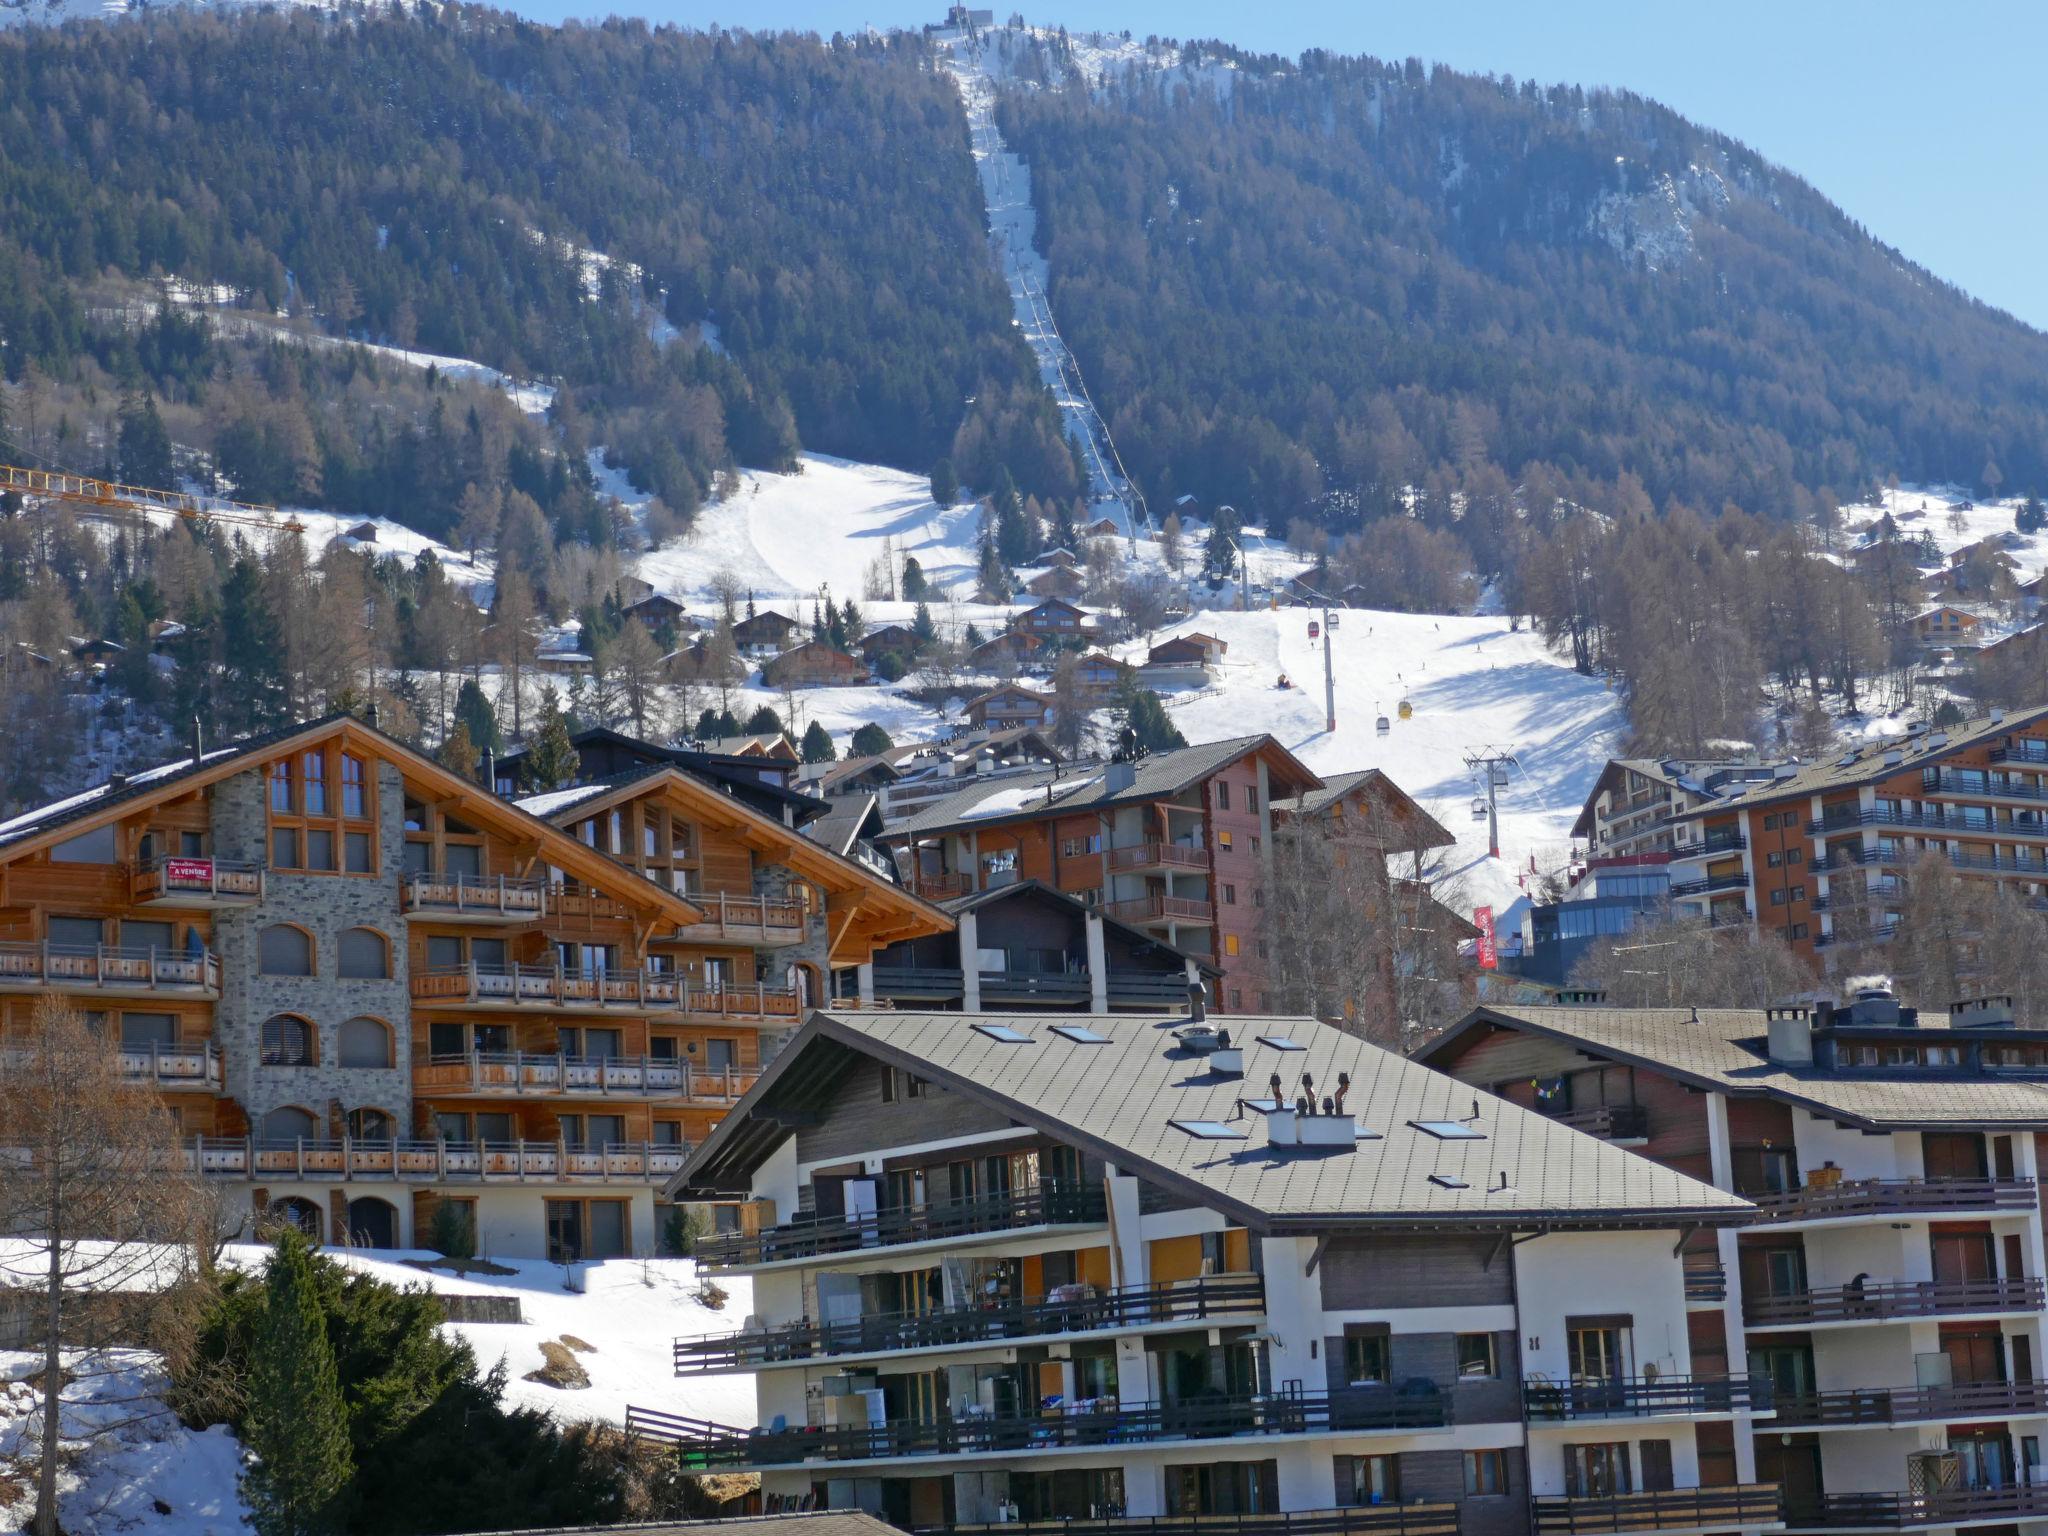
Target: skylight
{"type": "Point", "coordinates": [1449, 1130]}
{"type": "Point", "coordinates": [1366, 1133]}
{"type": "Point", "coordinates": [1280, 1043]}
{"type": "Point", "coordinates": [1448, 1181]}
{"type": "Point", "coordinates": [1208, 1130]}
{"type": "Point", "coordinates": [1004, 1033]}
{"type": "Point", "coordinates": [1080, 1034]}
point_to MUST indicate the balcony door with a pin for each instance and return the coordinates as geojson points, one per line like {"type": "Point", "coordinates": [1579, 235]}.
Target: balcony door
{"type": "Point", "coordinates": [1963, 1256]}
{"type": "Point", "coordinates": [1975, 1355]}
{"type": "Point", "coordinates": [1597, 1471]}
{"type": "Point", "coordinates": [1953, 1156]}
{"type": "Point", "coordinates": [1776, 1271]}
{"type": "Point", "coordinates": [1793, 1463]}
{"type": "Point", "coordinates": [1600, 1348]}
{"type": "Point", "coordinates": [1984, 1457]}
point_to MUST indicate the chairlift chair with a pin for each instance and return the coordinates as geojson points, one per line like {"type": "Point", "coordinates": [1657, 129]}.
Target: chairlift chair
{"type": "Point", "coordinates": [1479, 810]}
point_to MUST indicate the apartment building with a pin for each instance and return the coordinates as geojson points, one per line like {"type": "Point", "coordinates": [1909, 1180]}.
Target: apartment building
{"type": "Point", "coordinates": [370, 987]}
{"type": "Point", "coordinates": [1638, 803]}
{"type": "Point", "coordinates": [1027, 946]}
{"type": "Point", "coordinates": [1122, 1271]}
{"type": "Point", "coordinates": [1890, 1292]}
{"type": "Point", "coordinates": [1816, 854]}
{"type": "Point", "coordinates": [1177, 844]}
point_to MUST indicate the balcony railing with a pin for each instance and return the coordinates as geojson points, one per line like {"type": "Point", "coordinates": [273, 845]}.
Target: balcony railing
{"type": "Point", "coordinates": [1899, 1511]}
{"type": "Point", "coordinates": [1644, 1397]}
{"type": "Point", "coordinates": [1086, 1310]}
{"type": "Point", "coordinates": [1914, 1405]}
{"type": "Point", "coordinates": [1876, 933]}
{"type": "Point", "coordinates": [2024, 749]}
{"type": "Point", "coordinates": [945, 982]}
{"type": "Point", "coordinates": [1673, 1509]}
{"type": "Point", "coordinates": [543, 987]}
{"type": "Point", "coordinates": [175, 1066]}
{"type": "Point", "coordinates": [1734, 880]}
{"type": "Point", "coordinates": [703, 1444]}
{"type": "Point", "coordinates": [1157, 855]}
{"type": "Point", "coordinates": [1706, 1278]}
{"type": "Point", "coordinates": [196, 882]}
{"type": "Point", "coordinates": [1417, 1519]}
{"type": "Point", "coordinates": [489, 1162]}
{"type": "Point", "coordinates": [1614, 1122]}
{"type": "Point", "coordinates": [1162, 909]}
{"type": "Point", "coordinates": [104, 968]}
{"type": "Point", "coordinates": [939, 885]}
{"type": "Point", "coordinates": [747, 920]}
{"type": "Point", "coordinates": [517, 1074]}
{"type": "Point", "coordinates": [1895, 1197]}
{"type": "Point", "coordinates": [1883, 1300]}
{"type": "Point", "coordinates": [1948, 782]}
{"type": "Point", "coordinates": [1050, 1205]}
{"type": "Point", "coordinates": [1930, 821]}
{"type": "Point", "coordinates": [1154, 987]}
{"type": "Point", "coordinates": [476, 897]}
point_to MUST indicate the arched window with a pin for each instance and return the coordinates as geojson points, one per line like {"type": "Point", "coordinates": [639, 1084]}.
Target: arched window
{"type": "Point", "coordinates": [303, 1214]}
{"type": "Point", "coordinates": [372, 1223]}
{"type": "Point", "coordinates": [282, 950]}
{"type": "Point", "coordinates": [371, 1125]}
{"type": "Point", "coordinates": [288, 1041]}
{"type": "Point", "coordinates": [365, 1043]}
{"type": "Point", "coordinates": [364, 953]}
{"type": "Point", "coordinates": [290, 1124]}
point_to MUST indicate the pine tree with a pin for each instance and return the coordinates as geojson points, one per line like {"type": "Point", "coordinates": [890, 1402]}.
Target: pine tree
{"type": "Point", "coordinates": [945, 484]}
{"type": "Point", "coordinates": [851, 625]}
{"type": "Point", "coordinates": [817, 744]}
{"type": "Point", "coordinates": [473, 712]}
{"type": "Point", "coordinates": [458, 752]}
{"type": "Point", "coordinates": [551, 761]}
{"type": "Point", "coordinates": [914, 585]}
{"type": "Point", "coordinates": [296, 1426]}
{"type": "Point", "coordinates": [253, 693]}
{"type": "Point", "coordinates": [764, 722]}
{"type": "Point", "coordinates": [869, 740]}
{"type": "Point", "coordinates": [922, 626]}
{"type": "Point", "coordinates": [145, 445]}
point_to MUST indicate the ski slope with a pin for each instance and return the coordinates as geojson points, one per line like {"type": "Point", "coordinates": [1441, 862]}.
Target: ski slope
{"type": "Point", "coordinates": [1472, 684]}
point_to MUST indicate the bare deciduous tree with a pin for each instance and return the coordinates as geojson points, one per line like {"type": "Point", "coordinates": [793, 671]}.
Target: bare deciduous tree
{"type": "Point", "coordinates": [1686, 963]}
{"type": "Point", "coordinates": [108, 1224]}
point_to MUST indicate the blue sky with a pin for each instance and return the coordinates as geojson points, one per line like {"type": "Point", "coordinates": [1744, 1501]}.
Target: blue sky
{"type": "Point", "coordinates": [1923, 122]}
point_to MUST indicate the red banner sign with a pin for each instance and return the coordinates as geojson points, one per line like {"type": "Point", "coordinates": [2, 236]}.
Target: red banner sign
{"type": "Point", "coordinates": [1489, 955]}
{"type": "Point", "coordinates": [188, 871]}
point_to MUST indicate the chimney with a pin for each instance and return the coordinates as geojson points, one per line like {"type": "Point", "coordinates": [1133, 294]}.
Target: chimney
{"type": "Point", "coordinates": [1997, 714]}
{"type": "Point", "coordinates": [1872, 1001]}
{"type": "Point", "coordinates": [370, 715]}
{"type": "Point", "coordinates": [1227, 1060]}
{"type": "Point", "coordinates": [198, 742]}
{"type": "Point", "coordinates": [1118, 777]}
{"type": "Point", "coordinates": [1791, 1038]}
{"type": "Point", "coordinates": [1981, 1013]}
{"type": "Point", "coordinates": [1198, 1002]}
{"type": "Point", "coordinates": [116, 782]}
{"type": "Point", "coordinates": [491, 771]}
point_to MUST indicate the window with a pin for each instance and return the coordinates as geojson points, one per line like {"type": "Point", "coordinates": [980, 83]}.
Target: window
{"type": "Point", "coordinates": [1368, 1480]}
{"type": "Point", "coordinates": [282, 950]}
{"type": "Point", "coordinates": [313, 783]}
{"type": "Point", "coordinates": [284, 847]}
{"type": "Point", "coordinates": [1778, 898]}
{"type": "Point", "coordinates": [290, 1124]}
{"type": "Point", "coordinates": [1795, 855]}
{"type": "Point", "coordinates": [1230, 944]}
{"type": "Point", "coordinates": [281, 787]}
{"type": "Point", "coordinates": [1598, 1471]}
{"type": "Point", "coordinates": [1281, 1043]}
{"type": "Point", "coordinates": [1368, 1353]}
{"type": "Point", "coordinates": [320, 849]}
{"type": "Point", "coordinates": [1080, 1034]}
{"type": "Point", "coordinates": [142, 1031]}
{"type": "Point", "coordinates": [371, 1125]}
{"type": "Point", "coordinates": [1229, 895]}
{"type": "Point", "coordinates": [1222, 794]}
{"type": "Point", "coordinates": [889, 1082]}
{"type": "Point", "coordinates": [1255, 848]}
{"type": "Point", "coordinates": [364, 954]}
{"type": "Point", "coordinates": [1477, 1360]}
{"type": "Point", "coordinates": [355, 849]}
{"type": "Point", "coordinates": [1237, 998]}
{"type": "Point", "coordinates": [367, 1043]}
{"type": "Point", "coordinates": [1223, 841]}
{"type": "Point", "coordinates": [355, 794]}
{"type": "Point", "coordinates": [1208, 1130]}
{"type": "Point", "coordinates": [1251, 798]}
{"type": "Point", "coordinates": [288, 1041]}
{"type": "Point", "coordinates": [1262, 949]}
{"type": "Point", "coordinates": [1798, 893]}
{"type": "Point", "coordinates": [1773, 860]}
{"type": "Point", "coordinates": [76, 932]}
{"type": "Point", "coordinates": [1796, 931]}
{"type": "Point", "coordinates": [1448, 1130]}
{"type": "Point", "coordinates": [1486, 1473]}
{"type": "Point", "coordinates": [1004, 1033]}
{"type": "Point", "coordinates": [1258, 892]}
{"type": "Point", "coordinates": [1597, 1348]}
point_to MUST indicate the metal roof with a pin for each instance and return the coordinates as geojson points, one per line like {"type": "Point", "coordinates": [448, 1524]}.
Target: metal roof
{"type": "Point", "coordinates": [1723, 1049]}
{"type": "Point", "coordinates": [1082, 786]}
{"type": "Point", "coordinates": [1867, 763]}
{"type": "Point", "coordinates": [1120, 1100]}
{"type": "Point", "coordinates": [1430, 833]}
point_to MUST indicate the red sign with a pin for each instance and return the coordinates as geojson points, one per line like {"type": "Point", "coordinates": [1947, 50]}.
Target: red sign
{"type": "Point", "coordinates": [188, 871]}
{"type": "Point", "coordinates": [1489, 956]}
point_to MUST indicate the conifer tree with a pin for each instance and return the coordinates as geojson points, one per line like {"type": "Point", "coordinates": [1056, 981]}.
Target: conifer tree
{"type": "Point", "coordinates": [474, 711]}
{"type": "Point", "coordinates": [296, 1427]}
{"type": "Point", "coordinates": [764, 722]}
{"type": "Point", "coordinates": [458, 752]}
{"type": "Point", "coordinates": [254, 697]}
{"type": "Point", "coordinates": [851, 625]}
{"type": "Point", "coordinates": [817, 744]}
{"type": "Point", "coordinates": [914, 584]}
{"type": "Point", "coordinates": [145, 445]}
{"type": "Point", "coordinates": [923, 627]}
{"type": "Point", "coordinates": [945, 484]}
{"type": "Point", "coordinates": [869, 740]}
{"type": "Point", "coordinates": [551, 761]}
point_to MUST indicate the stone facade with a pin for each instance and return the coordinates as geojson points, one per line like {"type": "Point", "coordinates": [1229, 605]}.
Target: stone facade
{"type": "Point", "coordinates": [323, 905]}
{"type": "Point", "coordinates": [772, 965]}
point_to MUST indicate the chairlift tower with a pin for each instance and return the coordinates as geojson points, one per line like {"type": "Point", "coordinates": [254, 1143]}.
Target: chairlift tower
{"type": "Point", "coordinates": [1493, 767]}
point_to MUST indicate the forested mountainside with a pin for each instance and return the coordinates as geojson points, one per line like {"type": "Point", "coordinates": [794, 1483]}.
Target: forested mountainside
{"type": "Point", "coordinates": [545, 201]}
{"type": "Point", "coordinates": [1329, 281]}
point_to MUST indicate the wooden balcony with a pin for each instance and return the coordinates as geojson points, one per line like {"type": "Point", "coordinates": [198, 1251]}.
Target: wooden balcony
{"type": "Point", "coordinates": [428, 1162]}
{"type": "Point", "coordinates": [1610, 1122]}
{"type": "Point", "coordinates": [939, 885]}
{"type": "Point", "coordinates": [474, 899]}
{"type": "Point", "coordinates": [1158, 910]}
{"type": "Point", "coordinates": [101, 970]}
{"type": "Point", "coordinates": [1633, 1397]}
{"type": "Point", "coordinates": [189, 882]}
{"type": "Point", "coordinates": [556, 989]}
{"type": "Point", "coordinates": [753, 920]}
{"type": "Point", "coordinates": [1417, 1519]}
{"type": "Point", "coordinates": [531, 1074]}
{"type": "Point", "coordinates": [1910, 1511]}
{"type": "Point", "coordinates": [1880, 1301]}
{"type": "Point", "coordinates": [1955, 1404]}
{"type": "Point", "coordinates": [196, 1068]}
{"type": "Point", "coordinates": [1135, 857]}
{"type": "Point", "coordinates": [1081, 1309]}
{"type": "Point", "coordinates": [1935, 1198]}
{"type": "Point", "coordinates": [1754, 1505]}
{"type": "Point", "coordinates": [705, 1445]}
{"type": "Point", "coordinates": [1049, 1205]}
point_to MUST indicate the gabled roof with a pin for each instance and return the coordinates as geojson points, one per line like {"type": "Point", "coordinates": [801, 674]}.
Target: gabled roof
{"type": "Point", "coordinates": [107, 802]}
{"type": "Point", "coordinates": [1119, 1101]}
{"type": "Point", "coordinates": [851, 818]}
{"type": "Point", "coordinates": [1610, 778]}
{"type": "Point", "coordinates": [1085, 786]}
{"type": "Point", "coordinates": [1867, 765]}
{"type": "Point", "coordinates": [1429, 832]}
{"type": "Point", "coordinates": [1051, 603]}
{"type": "Point", "coordinates": [1002, 689]}
{"type": "Point", "coordinates": [1723, 1050]}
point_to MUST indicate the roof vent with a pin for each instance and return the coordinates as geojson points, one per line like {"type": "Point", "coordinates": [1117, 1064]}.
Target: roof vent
{"type": "Point", "coordinates": [1916, 727]}
{"type": "Point", "coordinates": [1998, 714]}
{"type": "Point", "coordinates": [1847, 760]}
{"type": "Point", "coordinates": [1118, 777]}
{"type": "Point", "coordinates": [1938, 739]}
{"type": "Point", "coordinates": [1872, 1001]}
{"type": "Point", "coordinates": [1783, 770]}
{"type": "Point", "coordinates": [1893, 757]}
{"type": "Point", "coordinates": [1585, 997]}
{"type": "Point", "coordinates": [1982, 1013]}
{"type": "Point", "coordinates": [116, 782]}
{"type": "Point", "coordinates": [1304, 1125]}
{"type": "Point", "coordinates": [1791, 1038]}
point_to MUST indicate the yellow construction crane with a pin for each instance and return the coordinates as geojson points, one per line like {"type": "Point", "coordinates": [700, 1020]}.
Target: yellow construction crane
{"type": "Point", "coordinates": [142, 499]}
